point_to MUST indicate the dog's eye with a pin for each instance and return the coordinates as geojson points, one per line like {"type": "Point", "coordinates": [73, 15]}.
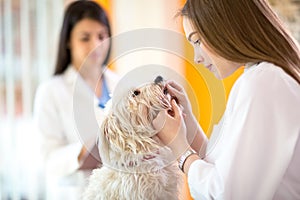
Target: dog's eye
{"type": "Point", "coordinates": [135, 93]}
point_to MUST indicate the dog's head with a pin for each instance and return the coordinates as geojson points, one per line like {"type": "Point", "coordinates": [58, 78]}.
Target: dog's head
{"type": "Point", "coordinates": [128, 127]}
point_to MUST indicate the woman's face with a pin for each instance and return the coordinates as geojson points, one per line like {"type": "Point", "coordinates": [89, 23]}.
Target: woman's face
{"type": "Point", "coordinates": [219, 66]}
{"type": "Point", "coordinates": [89, 43]}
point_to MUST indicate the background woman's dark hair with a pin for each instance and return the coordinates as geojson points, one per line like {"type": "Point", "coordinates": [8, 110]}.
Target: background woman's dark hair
{"type": "Point", "coordinates": [75, 12]}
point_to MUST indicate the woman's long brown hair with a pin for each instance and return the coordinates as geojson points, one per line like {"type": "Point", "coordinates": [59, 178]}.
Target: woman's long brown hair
{"type": "Point", "coordinates": [245, 31]}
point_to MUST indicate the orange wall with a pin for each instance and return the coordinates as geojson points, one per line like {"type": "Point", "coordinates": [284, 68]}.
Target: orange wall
{"type": "Point", "coordinates": [229, 81]}
{"type": "Point", "coordinates": [106, 4]}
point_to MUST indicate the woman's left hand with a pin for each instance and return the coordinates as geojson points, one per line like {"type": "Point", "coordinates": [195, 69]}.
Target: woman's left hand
{"type": "Point", "coordinates": [172, 130]}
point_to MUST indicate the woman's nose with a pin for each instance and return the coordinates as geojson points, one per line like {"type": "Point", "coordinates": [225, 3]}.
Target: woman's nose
{"type": "Point", "coordinates": [95, 43]}
{"type": "Point", "coordinates": [198, 59]}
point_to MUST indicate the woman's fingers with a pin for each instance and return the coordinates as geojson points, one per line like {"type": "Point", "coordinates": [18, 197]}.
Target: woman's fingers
{"type": "Point", "coordinates": [173, 91]}
{"type": "Point", "coordinates": [174, 85]}
{"type": "Point", "coordinates": [160, 120]}
{"type": "Point", "coordinates": [176, 90]}
{"type": "Point", "coordinates": [176, 109]}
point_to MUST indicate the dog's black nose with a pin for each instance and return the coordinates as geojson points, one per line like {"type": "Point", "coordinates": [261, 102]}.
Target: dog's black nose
{"type": "Point", "coordinates": [158, 79]}
{"type": "Point", "coordinates": [135, 93]}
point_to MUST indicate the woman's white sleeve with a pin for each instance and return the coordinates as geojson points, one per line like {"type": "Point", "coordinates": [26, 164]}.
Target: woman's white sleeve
{"type": "Point", "coordinates": [60, 156]}
{"type": "Point", "coordinates": [255, 146]}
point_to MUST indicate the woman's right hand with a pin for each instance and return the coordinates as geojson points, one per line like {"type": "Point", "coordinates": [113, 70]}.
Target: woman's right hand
{"type": "Point", "coordinates": [178, 91]}
{"type": "Point", "coordinates": [195, 134]}
{"type": "Point", "coordinates": [172, 130]}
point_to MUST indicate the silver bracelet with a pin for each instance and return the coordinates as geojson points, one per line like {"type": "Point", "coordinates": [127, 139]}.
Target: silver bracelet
{"type": "Point", "coordinates": [184, 157]}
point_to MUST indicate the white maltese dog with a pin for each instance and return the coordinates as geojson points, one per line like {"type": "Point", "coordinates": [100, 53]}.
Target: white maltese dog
{"type": "Point", "coordinates": [135, 164]}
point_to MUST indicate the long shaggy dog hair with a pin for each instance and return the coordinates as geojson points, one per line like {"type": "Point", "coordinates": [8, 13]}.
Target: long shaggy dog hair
{"type": "Point", "coordinates": [135, 164]}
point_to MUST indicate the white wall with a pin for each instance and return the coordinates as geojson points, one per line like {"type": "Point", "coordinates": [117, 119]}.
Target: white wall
{"type": "Point", "coordinates": [158, 15]}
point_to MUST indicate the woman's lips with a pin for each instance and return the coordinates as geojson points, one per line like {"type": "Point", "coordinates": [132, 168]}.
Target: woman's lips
{"type": "Point", "coordinates": [209, 67]}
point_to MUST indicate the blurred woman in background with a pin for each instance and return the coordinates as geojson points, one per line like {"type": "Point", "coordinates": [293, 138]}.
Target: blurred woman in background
{"type": "Point", "coordinates": [83, 53]}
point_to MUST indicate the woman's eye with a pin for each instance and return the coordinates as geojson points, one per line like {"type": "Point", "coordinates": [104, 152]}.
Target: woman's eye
{"type": "Point", "coordinates": [103, 36]}
{"type": "Point", "coordinates": [84, 39]}
{"type": "Point", "coordinates": [197, 42]}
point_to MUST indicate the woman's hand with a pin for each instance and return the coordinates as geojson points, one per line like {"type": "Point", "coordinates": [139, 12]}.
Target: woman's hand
{"type": "Point", "coordinates": [172, 130]}
{"type": "Point", "coordinates": [176, 90]}
{"type": "Point", "coordinates": [195, 134]}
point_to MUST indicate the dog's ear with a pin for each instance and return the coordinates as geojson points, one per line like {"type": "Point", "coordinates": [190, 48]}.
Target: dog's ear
{"type": "Point", "coordinates": [111, 137]}
{"type": "Point", "coordinates": [103, 145]}
{"type": "Point", "coordinates": [114, 135]}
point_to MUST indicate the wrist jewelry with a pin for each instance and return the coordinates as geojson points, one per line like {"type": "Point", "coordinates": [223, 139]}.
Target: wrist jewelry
{"type": "Point", "coordinates": [184, 157]}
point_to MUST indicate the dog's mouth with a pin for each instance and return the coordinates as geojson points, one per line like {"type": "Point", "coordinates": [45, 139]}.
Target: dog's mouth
{"type": "Point", "coordinates": [169, 97]}
{"type": "Point", "coordinates": [159, 80]}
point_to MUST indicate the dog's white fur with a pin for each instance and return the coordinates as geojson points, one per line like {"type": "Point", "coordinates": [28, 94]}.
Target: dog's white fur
{"type": "Point", "coordinates": [135, 164]}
